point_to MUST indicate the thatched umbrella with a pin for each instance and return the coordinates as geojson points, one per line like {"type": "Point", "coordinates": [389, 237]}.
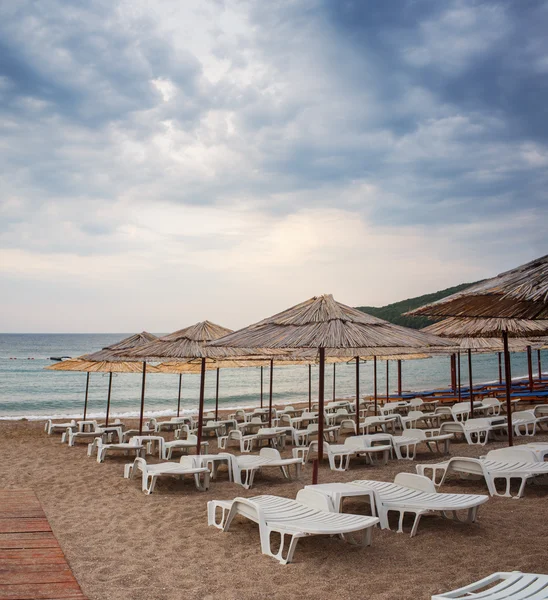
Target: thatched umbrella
{"type": "Point", "coordinates": [88, 366]}
{"type": "Point", "coordinates": [521, 293]}
{"type": "Point", "coordinates": [492, 327]}
{"type": "Point", "coordinates": [321, 324]}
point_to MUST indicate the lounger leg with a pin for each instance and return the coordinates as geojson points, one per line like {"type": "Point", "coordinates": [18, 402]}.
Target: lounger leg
{"type": "Point", "coordinates": [418, 516]}
{"type": "Point", "coordinates": [151, 480]}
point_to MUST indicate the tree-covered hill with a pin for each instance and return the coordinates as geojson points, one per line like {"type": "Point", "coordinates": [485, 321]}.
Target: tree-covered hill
{"type": "Point", "coordinates": [394, 312]}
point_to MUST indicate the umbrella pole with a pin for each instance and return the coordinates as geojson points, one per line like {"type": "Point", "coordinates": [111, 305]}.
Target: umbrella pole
{"type": "Point", "coordinates": [108, 397]}
{"type": "Point", "coordinates": [458, 375]}
{"type": "Point", "coordinates": [470, 382]}
{"type": "Point", "coordinates": [217, 396]}
{"type": "Point", "coordinates": [321, 391]}
{"type": "Point", "coordinates": [261, 386]}
{"type": "Point", "coordinates": [375, 382]}
{"type": "Point", "coordinates": [500, 367]}
{"type": "Point", "coordinates": [387, 379]}
{"type": "Point", "coordinates": [357, 395]}
{"type": "Point", "coordinates": [530, 367]}
{"type": "Point", "coordinates": [539, 366]}
{"type": "Point", "coordinates": [201, 406]}
{"type": "Point", "coordinates": [310, 388]}
{"type": "Point", "coordinates": [508, 382]}
{"type": "Point", "coordinates": [453, 373]}
{"type": "Point", "coordinates": [334, 380]}
{"type": "Point", "coordinates": [86, 398]}
{"type": "Point", "coordinates": [399, 376]}
{"type": "Point", "coordinates": [270, 395]}
{"type": "Point", "coordinates": [179, 395]}
{"type": "Point", "coordinates": [141, 414]}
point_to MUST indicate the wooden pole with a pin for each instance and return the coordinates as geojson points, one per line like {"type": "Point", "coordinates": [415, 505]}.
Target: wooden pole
{"type": "Point", "coordinates": [539, 366]}
{"type": "Point", "coordinates": [261, 386]}
{"type": "Point", "coordinates": [217, 396]}
{"type": "Point", "coordinates": [270, 395]}
{"type": "Point", "coordinates": [201, 406]}
{"type": "Point", "coordinates": [530, 367]}
{"type": "Point", "coordinates": [387, 380]}
{"type": "Point", "coordinates": [334, 380]}
{"type": "Point", "coordinates": [508, 382]}
{"type": "Point", "coordinates": [357, 395]}
{"type": "Point", "coordinates": [108, 397]}
{"type": "Point", "coordinates": [375, 383]}
{"type": "Point", "coordinates": [321, 402]}
{"type": "Point", "coordinates": [458, 375]}
{"type": "Point", "coordinates": [399, 376]}
{"type": "Point", "coordinates": [86, 397]}
{"type": "Point", "coordinates": [471, 382]}
{"type": "Point", "coordinates": [310, 387]}
{"type": "Point", "coordinates": [179, 395]}
{"type": "Point", "coordinates": [142, 411]}
{"type": "Point", "coordinates": [500, 366]}
{"type": "Point", "coordinates": [453, 373]}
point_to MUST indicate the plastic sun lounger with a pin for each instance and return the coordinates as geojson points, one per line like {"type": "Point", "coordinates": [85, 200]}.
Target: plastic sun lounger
{"type": "Point", "coordinates": [150, 473]}
{"type": "Point", "coordinates": [506, 464]}
{"type": "Point", "coordinates": [245, 467]}
{"type": "Point", "coordinates": [540, 449]}
{"type": "Point", "coordinates": [411, 438]}
{"type": "Point", "coordinates": [98, 446]}
{"type": "Point", "coordinates": [309, 514]}
{"type": "Point", "coordinates": [475, 431]}
{"type": "Point", "coordinates": [417, 494]}
{"type": "Point", "coordinates": [51, 427]}
{"type": "Point", "coordinates": [503, 586]}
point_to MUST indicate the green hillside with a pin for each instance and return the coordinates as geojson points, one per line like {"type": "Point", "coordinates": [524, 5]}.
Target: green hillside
{"type": "Point", "coordinates": [394, 312]}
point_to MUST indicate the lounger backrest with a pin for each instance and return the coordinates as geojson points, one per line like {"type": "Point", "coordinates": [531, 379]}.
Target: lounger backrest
{"type": "Point", "coordinates": [416, 402]}
{"type": "Point", "coordinates": [284, 420]}
{"type": "Point", "coordinates": [541, 410]}
{"type": "Point", "coordinates": [415, 414]}
{"type": "Point", "coordinates": [270, 453]}
{"type": "Point", "coordinates": [308, 415]}
{"type": "Point", "coordinates": [524, 415]}
{"type": "Point", "coordinates": [461, 407]}
{"type": "Point", "coordinates": [191, 438]}
{"type": "Point", "coordinates": [415, 434]}
{"type": "Point", "coordinates": [315, 500]}
{"type": "Point", "coordinates": [356, 441]}
{"type": "Point", "coordinates": [188, 461]}
{"type": "Point", "coordinates": [415, 482]}
{"type": "Point", "coordinates": [512, 454]}
{"type": "Point", "coordinates": [289, 408]}
{"type": "Point", "coordinates": [442, 410]}
{"type": "Point", "coordinates": [341, 411]}
{"type": "Point", "coordinates": [312, 427]}
{"type": "Point", "coordinates": [491, 401]}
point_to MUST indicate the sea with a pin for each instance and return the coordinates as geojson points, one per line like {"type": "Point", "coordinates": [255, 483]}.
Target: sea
{"type": "Point", "coordinates": [29, 391]}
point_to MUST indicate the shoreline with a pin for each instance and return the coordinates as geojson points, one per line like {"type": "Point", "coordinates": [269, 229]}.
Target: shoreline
{"type": "Point", "coordinates": [171, 412]}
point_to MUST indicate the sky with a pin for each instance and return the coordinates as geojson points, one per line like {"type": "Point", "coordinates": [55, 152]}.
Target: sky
{"type": "Point", "coordinates": [166, 162]}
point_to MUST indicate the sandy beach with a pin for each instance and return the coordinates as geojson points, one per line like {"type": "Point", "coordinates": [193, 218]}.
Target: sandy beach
{"type": "Point", "coordinates": [123, 544]}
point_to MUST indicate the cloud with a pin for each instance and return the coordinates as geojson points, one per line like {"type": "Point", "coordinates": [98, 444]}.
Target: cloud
{"type": "Point", "coordinates": [240, 155]}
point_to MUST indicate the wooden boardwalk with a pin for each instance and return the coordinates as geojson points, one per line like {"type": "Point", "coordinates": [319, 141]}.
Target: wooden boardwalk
{"type": "Point", "coordinates": [32, 564]}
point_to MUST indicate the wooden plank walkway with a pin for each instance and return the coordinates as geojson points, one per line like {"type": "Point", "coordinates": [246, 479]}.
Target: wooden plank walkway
{"type": "Point", "coordinates": [32, 564]}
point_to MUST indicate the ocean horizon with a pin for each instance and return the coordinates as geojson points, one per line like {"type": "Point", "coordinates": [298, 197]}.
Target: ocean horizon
{"type": "Point", "coordinates": [28, 391]}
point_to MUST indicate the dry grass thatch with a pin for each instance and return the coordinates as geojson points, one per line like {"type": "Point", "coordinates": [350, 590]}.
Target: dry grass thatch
{"type": "Point", "coordinates": [187, 343]}
{"type": "Point", "coordinates": [486, 345]}
{"type": "Point", "coordinates": [321, 322]}
{"type": "Point", "coordinates": [455, 327]}
{"type": "Point", "coordinates": [88, 366]}
{"type": "Point", "coordinates": [110, 353]}
{"type": "Point", "coordinates": [521, 293]}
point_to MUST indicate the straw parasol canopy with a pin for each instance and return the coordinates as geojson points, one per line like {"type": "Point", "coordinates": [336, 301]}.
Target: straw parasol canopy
{"type": "Point", "coordinates": [521, 293]}
{"type": "Point", "coordinates": [88, 366]}
{"type": "Point", "coordinates": [455, 327]}
{"type": "Point", "coordinates": [322, 324]}
{"type": "Point", "coordinates": [109, 353]}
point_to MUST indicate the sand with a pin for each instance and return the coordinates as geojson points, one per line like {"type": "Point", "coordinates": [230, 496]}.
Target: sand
{"type": "Point", "coordinates": [122, 544]}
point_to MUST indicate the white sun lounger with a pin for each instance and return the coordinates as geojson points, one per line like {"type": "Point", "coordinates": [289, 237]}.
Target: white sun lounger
{"type": "Point", "coordinates": [524, 422]}
{"type": "Point", "coordinates": [307, 515]}
{"type": "Point", "coordinates": [72, 436]}
{"type": "Point", "coordinates": [51, 427]}
{"type": "Point", "coordinates": [417, 494]}
{"type": "Point", "coordinates": [506, 463]}
{"type": "Point", "coordinates": [503, 586]}
{"type": "Point", "coordinates": [190, 442]}
{"type": "Point", "coordinates": [474, 431]}
{"type": "Point", "coordinates": [540, 449]}
{"type": "Point", "coordinates": [150, 473]}
{"type": "Point", "coordinates": [245, 467]}
{"type": "Point", "coordinates": [98, 446]}
{"type": "Point", "coordinates": [411, 438]}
